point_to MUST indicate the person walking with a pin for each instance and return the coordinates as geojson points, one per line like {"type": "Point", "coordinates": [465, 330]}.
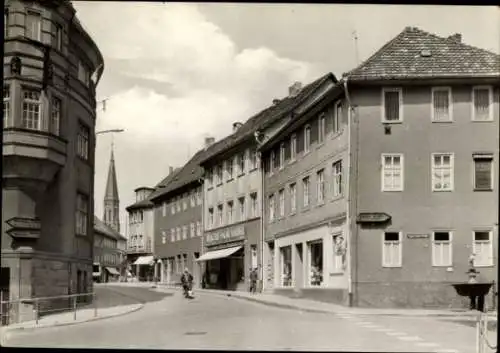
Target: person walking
{"type": "Point", "coordinates": [253, 280]}
{"type": "Point", "coordinates": [187, 283]}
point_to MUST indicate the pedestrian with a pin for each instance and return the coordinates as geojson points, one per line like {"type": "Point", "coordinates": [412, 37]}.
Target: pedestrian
{"type": "Point", "coordinates": [253, 280]}
{"type": "Point", "coordinates": [187, 283]}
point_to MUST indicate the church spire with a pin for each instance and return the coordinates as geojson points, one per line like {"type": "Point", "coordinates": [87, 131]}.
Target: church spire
{"type": "Point", "coordinates": [111, 199]}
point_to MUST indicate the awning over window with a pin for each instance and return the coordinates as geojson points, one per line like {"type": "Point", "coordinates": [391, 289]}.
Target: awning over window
{"type": "Point", "coordinates": [144, 260]}
{"type": "Point", "coordinates": [113, 271]}
{"type": "Point", "coordinates": [218, 254]}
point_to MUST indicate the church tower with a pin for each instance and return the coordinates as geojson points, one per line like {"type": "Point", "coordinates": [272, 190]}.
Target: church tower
{"type": "Point", "coordinates": [111, 200]}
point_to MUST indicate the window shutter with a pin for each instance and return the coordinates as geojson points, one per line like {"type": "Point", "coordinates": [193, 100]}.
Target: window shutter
{"type": "Point", "coordinates": [483, 174]}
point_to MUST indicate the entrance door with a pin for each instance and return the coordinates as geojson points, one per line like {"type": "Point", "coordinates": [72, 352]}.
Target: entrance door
{"type": "Point", "coordinates": [5, 294]}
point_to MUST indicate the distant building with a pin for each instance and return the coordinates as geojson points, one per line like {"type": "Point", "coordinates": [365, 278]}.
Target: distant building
{"type": "Point", "coordinates": [52, 67]}
{"type": "Point", "coordinates": [109, 253]}
{"type": "Point", "coordinates": [178, 222]}
{"type": "Point", "coordinates": [140, 235]}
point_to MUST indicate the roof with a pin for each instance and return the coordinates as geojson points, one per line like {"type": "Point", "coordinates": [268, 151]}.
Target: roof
{"type": "Point", "coordinates": [111, 192]}
{"type": "Point", "coordinates": [146, 203]}
{"type": "Point", "coordinates": [104, 229]}
{"type": "Point", "coordinates": [405, 57]}
{"type": "Point", "coordinates": [264, 118]}
{"type": "Point", "coordinates": [143, 188]}
{"type": "Point", "coordinates": [183, 176]}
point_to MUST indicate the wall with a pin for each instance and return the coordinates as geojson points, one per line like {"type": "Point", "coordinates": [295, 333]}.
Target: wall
{"type": "Point", "coordinates": [417, 209]}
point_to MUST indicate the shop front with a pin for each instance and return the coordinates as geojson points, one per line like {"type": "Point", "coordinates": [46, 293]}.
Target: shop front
{"type": "Point", "coordinates": [230, 254]}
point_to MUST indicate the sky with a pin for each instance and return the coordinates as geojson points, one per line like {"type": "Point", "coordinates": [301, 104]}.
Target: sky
{"type": "Point", "coordinates": [176, 73]}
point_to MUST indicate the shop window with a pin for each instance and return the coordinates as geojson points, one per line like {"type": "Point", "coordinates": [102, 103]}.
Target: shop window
{"type": "Point", "coordinates": [286, 266]}
{"type": "Point", "coordinates": [315, 263]}
{"type": "Point", "coordinates": [339, 253]}
{"type": "Point", "coordinates": [253, 251]}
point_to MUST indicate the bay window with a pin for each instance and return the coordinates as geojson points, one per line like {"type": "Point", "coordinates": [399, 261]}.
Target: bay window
{"type": "Point", "coordinates": [32, 110]}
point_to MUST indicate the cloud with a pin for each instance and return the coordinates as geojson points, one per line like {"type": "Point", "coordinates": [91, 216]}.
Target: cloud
{"type": "Point", "coordinates": [173, 77]}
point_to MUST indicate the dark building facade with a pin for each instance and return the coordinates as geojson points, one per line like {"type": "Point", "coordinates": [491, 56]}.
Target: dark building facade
{"type": "Point", "coordinates": [178, 222]}
{"type": "Point", "coordinates": [52, 67]}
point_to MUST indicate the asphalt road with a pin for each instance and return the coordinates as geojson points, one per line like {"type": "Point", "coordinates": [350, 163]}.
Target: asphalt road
{"type": "Point", "coordinates": [110, 296]}
{"type": "Point", "coordinates": [219, 322]}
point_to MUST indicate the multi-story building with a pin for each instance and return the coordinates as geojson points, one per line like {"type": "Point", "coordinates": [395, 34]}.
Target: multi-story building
{"type": "Point", "coordinates": [140, 235]}
{"type": "Point", "coordinates": [305, 207]}
{"type": "Point", "coordinates": [178, 222]}
{"type": "Point", "coordinates": [52, 69]}
{"type": "Point", "coordinates": [109, 252]}
{"type": "Point", "coordinates": [420, 189]}
{"type": "Point", "coordinates": [232, 195]}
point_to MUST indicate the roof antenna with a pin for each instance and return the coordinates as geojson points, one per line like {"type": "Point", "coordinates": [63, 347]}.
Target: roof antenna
{"type": "Point", "coordinates": [356, 52]}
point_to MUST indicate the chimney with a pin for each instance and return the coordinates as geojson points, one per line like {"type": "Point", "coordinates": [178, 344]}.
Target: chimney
{"type": "Point", "coordinates": [276, 101]}
{"type": "Point", "coordinates": [170, 170]}
{"type": "Point", "coordinates": [209, 141]}
{"type": "Point", "coordinates": [294, 89]}
{"type": "Point", "coordinates": [457, 37]}
{"type": "Point", "coordinates": [236, 126]}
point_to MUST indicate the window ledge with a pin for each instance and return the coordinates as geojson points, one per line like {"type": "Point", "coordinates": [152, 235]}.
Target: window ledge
{"type": "Point", "coordinates": [230, 179]}
{"type": "Point", "coordinates": [253, 169]}
{"type": "Point", "coordinates": [393, 266]}
{"type": "Point", "coordinates": [442, 190]}
{"type": "Point", "coordinates": [306, 208]}
{"type": "Point", "coordinates": [210, 187]}
{"type": "Point", "coordinates": [305, 153]}
{"type": "Point", "coordinates": [441, 266]}
{"type": "Point", "coordinates": [482, 121]}
{"type": "Point", "coordinates": [292, 161]}
{"type": "Point", "coordinates": [484, 266]}
{"type": "Point", "coordinates": [392, 122]}
{"type": "Point", "coordinates": [320, 144]}
{"type": "Point", "coordinates": [320, 204]}
{"type": "Point", "coordinates": [240, 175]}
{"type": "Point", "coordinates": [442, 121]}
{"type": "Point", "coordinates": [399, 190]}
{"type": "Point", "coordinates": [292, 213]}
{"type": "Point", "coordinates": [486, 190]}
{"type": "Point", "coordinates": [337, 198]}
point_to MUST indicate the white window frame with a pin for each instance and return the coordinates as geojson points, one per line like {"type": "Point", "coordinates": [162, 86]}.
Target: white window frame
{"type": "Point", "coordinates": [491, 261]}
{"type": "Point", "coordinates": [337, 179]}
{"type": "Point", "coordinates": [230, 212]}
{"type": "Point", "coordinates": [6, 23]}
{"type": "Point", "coordinates": [452, 173]}
{"type": "Point", "coordinates": [172, 235]}
{"type": "Point", "coordinates": [184, 201]}
{"type": "Point", "coordinates": [485, 157]}
{"type": "Point", "coordinates": [337, 119]}
{"type": "Point", "coordinates": [192, 229]}
{"type": "Point", "coordinates": [241, 163]}
{"type": "Point", "coordinates": [164, 208]}
{"type": "Point", "coordinates": [192, 198]}
{"type": "Point", "coordinates": [83, 73]}
{"type": "Point", "coordinates": [320, 186]}
{"type": "Point", "coordinates": [307, 139]}
{"type": "Point", "coordinates": [399, 263]}
{"type": "Point", "coordinates": [229, 169]}
{"type": "Point", "coordinates": [83, 141]}
{"type": "Point", "coordinates": [401, 158]}
{"type": "Point", "coordinates": [272, 207]}
{"type": "Point", "coordinates": [220, 214]}
{"type": "Point", "coordinates": [434, 245]}
{"type": "Point", "coordinates": [241, 208]}
{"type": "Point", "coordinates": [254, 204]}
{"type": "Point", "coordinates": [55, 115]}
{"type": "Point", "coordinates": [58, 36]}
{"type": "Point", "coordinates": [293, 197]}
{"type": "Point", "coordinates": [400, 92]}
{"type": "Point", "coordinates": [306, 196]}
{"type": "Point", "coordinates": [163, 237]}
{"type": "Point", "coordinates": [35, 106]}
{"type": "Point", "coordinates": [321, 128]}
{"type": "Point", "coordinates": [211, 217]}
{"type": "Point", "coordinates": [490, 101]}
{"type": "Point", "coordinates": [282, 156]}
{"type": "Point", "coordinates": [184, 232]}
{"type": "Point", "coordinates": [281, 200]}
{"type": "Point", "coordinates": [38, 31]}
{"type": "Point", "coordinates": [82, 213]}
{"type": "Point", "coordinates": [198, 228]}
{"type": "Point", "coordinates": [450, 104]}
{"type": "Point", "coordinates": [7, 106]}
{"type": "Point", "coordinates": [293, 147]}
{"type": "Point", "coordinates": [199, 198]}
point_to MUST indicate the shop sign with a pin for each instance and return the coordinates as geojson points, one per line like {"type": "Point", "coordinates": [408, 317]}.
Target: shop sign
{"type": "Point", "coordinates": [225, 235]}
{"type": "Point", "coordinates": [417, 236]}
{"type": "Point", "coordinates": [375, 217]}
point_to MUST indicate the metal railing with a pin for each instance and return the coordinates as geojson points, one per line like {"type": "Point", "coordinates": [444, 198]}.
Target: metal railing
{"type": "Point", "coordinates": [34, 309]}
{"type": "Point", "coordinates": [482, 340]}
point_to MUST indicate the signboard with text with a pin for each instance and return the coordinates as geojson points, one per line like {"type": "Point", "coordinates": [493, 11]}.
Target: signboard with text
{"type": "Point", "coordinates": [226, 235]}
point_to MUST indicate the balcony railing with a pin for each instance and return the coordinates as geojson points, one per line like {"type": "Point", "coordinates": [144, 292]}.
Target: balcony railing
{"type": "Point", "coordinates": [131, 249]}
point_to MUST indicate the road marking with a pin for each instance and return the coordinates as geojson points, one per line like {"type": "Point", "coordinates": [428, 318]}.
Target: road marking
{"type": "Point", "coordinates": [410, 338]}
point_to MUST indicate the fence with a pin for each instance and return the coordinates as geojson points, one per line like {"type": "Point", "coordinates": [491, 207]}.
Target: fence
{"type": "Point", "coordinates": [21, 310]}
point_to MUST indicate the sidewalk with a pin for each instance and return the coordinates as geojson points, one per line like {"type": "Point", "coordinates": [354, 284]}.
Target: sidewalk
{"type": "Point", "coordinates": [330, 308]}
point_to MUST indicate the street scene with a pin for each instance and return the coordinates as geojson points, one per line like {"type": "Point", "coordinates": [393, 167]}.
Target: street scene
{"type": "Point", "coordinates": [250, 176]}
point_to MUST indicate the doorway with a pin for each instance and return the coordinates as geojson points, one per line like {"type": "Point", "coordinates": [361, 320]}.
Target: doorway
{"type": "Point", "coordinates": [5, 294]}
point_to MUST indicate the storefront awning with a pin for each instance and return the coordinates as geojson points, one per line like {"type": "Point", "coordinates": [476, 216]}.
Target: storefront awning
{"type": "Point", "coordinates": [113, 271]}
{"type": "Point", "coordinates": [218, 254]}
{"type": "Point", "coordinates": [144, 260]}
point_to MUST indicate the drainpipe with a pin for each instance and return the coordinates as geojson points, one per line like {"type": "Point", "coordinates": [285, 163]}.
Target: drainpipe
{"type": "Point", "coordinates": [348, 192]}
{"type": "Point", "coordinates": [261, 210]}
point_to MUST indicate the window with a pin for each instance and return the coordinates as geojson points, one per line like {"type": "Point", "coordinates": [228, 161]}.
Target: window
{"type": "Point", "coordinates": [6, 23]}
{"type": "Point", "coordinates": [178, 203]}
{"type": "Point", "coordinates": [337, 117]}
{"type": "Point", "coordinates": [282, 156]}
{"type": "Point", "coordinates": [210, 217]}
{"type": "Point", "coordinates": [199, 199]}
{"type": "Point", "coordinates": [220, 215]}
{"type": "Point", "coordinates": [164, 208]}
{"type": "Point", "coordinates": [392, 250]}
{"type": "Point", "coordinates": [230, 212]}
{"type": "Point", "coordinates": [163, 237]}
{"type": "Point", "coordinates": [59, 37]}
{"type": "Point", "coordinates": [184, 232]}
{"type": "Point", "coordinates": [253, 159]}
{"type": "Point", "coordinates": [253, 253]}
{"type": "Point", "coordinates": [392, 172]}
{"type": "Point", "coordinates": [241, 203]}
{"type": "Point", "coordinates": [82, 143]}
{"type": "Point", "coordinates": [185, 201]}
{"type": "Point", "coordinates": [442, 172]}
{"type": "Point", "coordinates": [293, 198]}
{"type": "Point", "coordinates": [338, 242]}
{"type": "Point", "coordinates": [55, 115]}
{"type": "Point", "coordinates": [337, 178]}
{"type": "Point", "coordinates": [229, 169]}
{"type": "Point", "coordinates": [320, 179]}
{"type": "Point", "coordinates": [482, 98]}
{"type": "Point", "coordinates": [198, 228]}
{"type": "Point", "coordinates": [392, 104]}
{"type": "Point", "coordinates": [441, 102]}
{"type": "Point", "coordinates": [192, 230]}
{"type": "Point", "coordinates": [172, 235]}
{"type": "Point", "coordinates": [482, 247]}
{"type": "Point", "coordinates": [241, 163]}
{"type": "Point", "coordinates": [321, 128]}
{"type": "Point", "coordinates": [307, 138]}
{"type": "Point", "coordinates": [271, 162]}
{"type": "Point", "coordinates": [253, 205]}
{"type": "Point", "coordinates": [293, 147]}
{"type": "Point", "coordinates": [315, 263]}
{"type": "Point", "coordinates": [271, 208]}
{"type": "Point", "coordinates": [281, 197]}
{"type": "Point", "coordinates": [172, 206]}
{"type": "Point", "coordinates": [305, 189]}
{"type": "Point", "coordinates": [192, 198]}
{"type": "Point", "coordinates": [32, 110]}
{"type": "Point", "coordinates": [82, 210]}
{"type": "Point", "coordinates": [83, 73]}
{"type": "Point", "coordinates": [33, 25]}
{"type": "Point", "coordinates": [441, 249]}
{"type": "Point", "coordinates": [210, 177]}
{"type": "Point", "coordinates": [179, 233]}
{"type": "Point", "coordinates": [6, 106]}
{"type": "Point", "coordinates": [483, 172]}
{"type": "Point", "coordinates": [286, 266]}
{"type": "Point", "coordinates": [219, 174]}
